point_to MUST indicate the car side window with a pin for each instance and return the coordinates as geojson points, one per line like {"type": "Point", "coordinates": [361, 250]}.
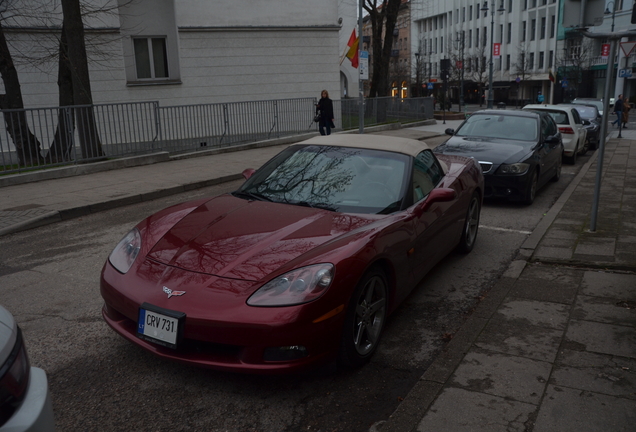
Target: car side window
{"type": "Point", "coordinates": [551, 127]}
{"type": "Point", "coordinates": [427, 173]}
{"type": "Point", "coordinates": [547, 126]}
{"type": "Point", "coordinates": [577, 117]}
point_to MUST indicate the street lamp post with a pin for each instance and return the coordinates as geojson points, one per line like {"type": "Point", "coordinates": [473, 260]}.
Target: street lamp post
{"type": "Point", "coordinates": [460, 42]}
{"type": "Point", "coordinates": [418, 74]}
{"type": "Point", "coordinates": [491, 93]}
{"type": "Point", "coordinates": [613, 12]}
{"type": "Point", "coordinates": [611, 59]}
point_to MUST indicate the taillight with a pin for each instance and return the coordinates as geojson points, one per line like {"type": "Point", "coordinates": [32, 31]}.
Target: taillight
{"type": "Point", "coordinates": [14, 379]}
{"type": "Point", "coordinates": [566, 130]}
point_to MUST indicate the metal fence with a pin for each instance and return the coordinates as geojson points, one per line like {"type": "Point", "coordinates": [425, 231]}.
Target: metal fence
{"type": "Point", "coordinates": [45, 137]}
{"type": "Point", "coordinates": [384, 110]}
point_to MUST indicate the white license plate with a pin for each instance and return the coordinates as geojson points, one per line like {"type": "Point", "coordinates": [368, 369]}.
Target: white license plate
{"type": "Point", "coordinates": [159, 325]}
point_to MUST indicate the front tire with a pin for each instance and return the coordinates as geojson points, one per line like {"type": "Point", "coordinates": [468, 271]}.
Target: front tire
{"type": "Point", "coordinates": [531, 191]}
{"type": "Point", "coordinates": [365, 319]}
{"type": "Point", "coordinates": [471, 225]}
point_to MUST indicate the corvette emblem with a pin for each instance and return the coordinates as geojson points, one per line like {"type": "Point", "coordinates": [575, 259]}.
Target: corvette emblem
{"type": "Point", "coordinates": [172, 293]}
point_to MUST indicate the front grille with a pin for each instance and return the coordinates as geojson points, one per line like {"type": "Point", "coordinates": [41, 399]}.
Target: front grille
{"type": "Point", "coordinates": [485, 166]}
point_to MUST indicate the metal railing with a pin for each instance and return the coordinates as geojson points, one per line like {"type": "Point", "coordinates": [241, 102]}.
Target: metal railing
{"type": "Point", "coordinates": [384, 110]}
{"type": "Point", "coordinates": [47, 137]}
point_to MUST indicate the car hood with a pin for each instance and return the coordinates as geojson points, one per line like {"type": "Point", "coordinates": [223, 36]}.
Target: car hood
{"type": "Point", "coordinates": [493, 150]}
{"type": "Point", "coordinates": [234, 238]}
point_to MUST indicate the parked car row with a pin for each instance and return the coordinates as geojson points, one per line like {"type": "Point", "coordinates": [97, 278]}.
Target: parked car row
{"type": "Point", "coordinates": [520, 151]}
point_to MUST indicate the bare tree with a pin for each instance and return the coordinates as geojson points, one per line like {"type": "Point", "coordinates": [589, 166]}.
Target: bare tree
{"type": "Point", "coordinates": [575, 63]}
{"type": "Point", "coordinates": [26, 144]}
{"type": "Point", "coordinates": [476, 67]}
{"type": "Point", "coordinates": [383, 15]}
{"type": "Point", "coordinates": [86, 127]}
{"type": "Point", "coordinates": [523, 67]}
{"type": "Point", "coordinates": [70, 53]}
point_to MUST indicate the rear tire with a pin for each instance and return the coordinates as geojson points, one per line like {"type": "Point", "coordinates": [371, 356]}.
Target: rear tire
{"type": "Point", "coordinates": [572, 159]}
{"type": "Point", "coordinates": [557, 174]}
{"type": "Point", "coordinates": [471, 225]}
{"type": "Point", "coordinates": [364, 321]}
{"type": "Point", "coordinates": [586, 147]}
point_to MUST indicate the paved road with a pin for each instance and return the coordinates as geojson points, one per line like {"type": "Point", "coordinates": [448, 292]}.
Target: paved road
{"type": "Point", "coordinates": [101, 382]}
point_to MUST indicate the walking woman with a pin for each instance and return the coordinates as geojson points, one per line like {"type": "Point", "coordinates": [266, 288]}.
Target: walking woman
{"type": "Point", "coordinates": [325, 107]}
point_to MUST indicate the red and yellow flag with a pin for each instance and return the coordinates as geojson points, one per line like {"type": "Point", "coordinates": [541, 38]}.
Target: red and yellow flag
{"type": "Point", "coordinates": [352, 54]}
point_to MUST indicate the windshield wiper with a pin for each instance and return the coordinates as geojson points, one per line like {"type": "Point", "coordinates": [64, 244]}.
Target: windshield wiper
{"type": "Point", "coordinates": [255, 196]}
{"type": "Point", "coordinates": [314, 205]}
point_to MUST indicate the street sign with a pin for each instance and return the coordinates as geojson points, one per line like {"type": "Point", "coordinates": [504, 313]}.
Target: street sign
{"type": "Point", "coordinates": [430, 86]}
{"type": "Point", "coordinates": [624, 73]}
{"type": "Point", "coordinates": [564, 83]}
{"type": "Point", "coordinates": [364, 65]}
{"type": "Point", "coordinates": [627, 47]}
{"type": "Point", "coordinates": [517, 80]}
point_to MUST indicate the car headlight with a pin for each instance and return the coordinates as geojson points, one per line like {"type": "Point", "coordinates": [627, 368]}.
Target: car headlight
{"type": "Point", "coordinates": [517, 168]}
{"type": "Point", "coordinates": [124, 254]}
{"type": "Point", "coordinates": [296, 287]}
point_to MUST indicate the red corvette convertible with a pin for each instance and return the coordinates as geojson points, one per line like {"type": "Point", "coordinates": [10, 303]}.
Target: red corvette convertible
{"type": "Point", "coordinates": [302, 264]}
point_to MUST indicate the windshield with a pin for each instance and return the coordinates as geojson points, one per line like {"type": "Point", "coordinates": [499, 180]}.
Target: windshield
{"type": "Point", "coordinates": [499, 126]}
{"type": "Point", "coordinates": [587, 112]}
{"type": "Point", "coordinates": [333, 178]}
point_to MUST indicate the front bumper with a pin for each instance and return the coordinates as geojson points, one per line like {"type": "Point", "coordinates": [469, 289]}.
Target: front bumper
{"type": "Point", "coordinates": [220, 330]}
{"type": "Point", "coordinates": [512, 187]}
{"type": "Point", "coordinates": [36, 411]}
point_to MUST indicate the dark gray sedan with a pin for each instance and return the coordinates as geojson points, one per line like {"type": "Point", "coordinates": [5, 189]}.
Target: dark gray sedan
{"type": "Point", "coordinates": [518, 151]}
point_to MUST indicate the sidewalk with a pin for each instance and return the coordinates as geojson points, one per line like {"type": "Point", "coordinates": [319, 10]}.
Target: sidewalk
{"type": "Point", "coordinates": [551, 347]}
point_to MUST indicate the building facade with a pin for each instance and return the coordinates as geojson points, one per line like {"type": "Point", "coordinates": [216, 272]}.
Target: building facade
{"type": "Point", "coordinates": [583, 71]}
{"type": "Point", "coordinates": [463, 32]}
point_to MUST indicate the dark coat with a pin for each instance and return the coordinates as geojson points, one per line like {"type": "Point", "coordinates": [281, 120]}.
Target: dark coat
{"type": "Point", "coordinates": [325, 106]}
{"type": "Point", "coordinates": [618, 105]}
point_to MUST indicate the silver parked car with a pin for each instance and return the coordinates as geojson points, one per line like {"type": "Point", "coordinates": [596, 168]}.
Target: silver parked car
{"type": "Point", "coordinates": [25, 401]}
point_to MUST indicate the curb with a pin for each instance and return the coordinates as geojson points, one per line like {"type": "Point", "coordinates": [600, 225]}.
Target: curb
{"type": "Point", "coordinates": [76, 212]}
{"type": "Point", "coordinates": [89, 168]}
{"type": "Point", "coordinates": [45, 219]}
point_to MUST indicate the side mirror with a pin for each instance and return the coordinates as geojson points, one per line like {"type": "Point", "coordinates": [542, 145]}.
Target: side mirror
{"type": "Point", "coordinates": [450, 131]}
{"type": "Point", "coordinates": [552, 139]}
{"type": "Point", "coordinates": [248, 173]}
{"type": "Point", "coordinates": [436, 195]}
{"type": "Point", "coordinates": [585, 122]}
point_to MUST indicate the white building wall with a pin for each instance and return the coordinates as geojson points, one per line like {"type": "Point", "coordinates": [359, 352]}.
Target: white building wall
{"type": "Point", "coordinates": [226, 51]}
{"type": "Point", "coordinates": [348, 13]}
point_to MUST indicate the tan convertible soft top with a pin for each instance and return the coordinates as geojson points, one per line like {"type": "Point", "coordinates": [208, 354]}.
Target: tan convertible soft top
{"type": "Point", "coordinates": [405, 146]}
